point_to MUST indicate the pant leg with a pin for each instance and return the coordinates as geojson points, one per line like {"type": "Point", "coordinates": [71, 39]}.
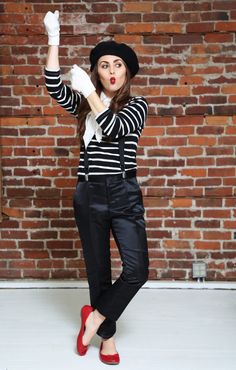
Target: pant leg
{"type": "Point", "coordinates": [91, 214]}
{"type": "Point", "coordinates": [128, 227]}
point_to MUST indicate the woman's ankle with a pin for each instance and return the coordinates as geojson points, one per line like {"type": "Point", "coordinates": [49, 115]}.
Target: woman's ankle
{"type": "Point", "coordinates": [108, 346]}
{"type": "Point", "coordinates": [98, 318]}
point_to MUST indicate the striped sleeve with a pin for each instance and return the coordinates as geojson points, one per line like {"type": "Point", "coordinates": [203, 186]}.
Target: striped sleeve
{"type": "Point", "coordinates": [62, 93]}
{"type": "Point", "coordinates": [130, 119]}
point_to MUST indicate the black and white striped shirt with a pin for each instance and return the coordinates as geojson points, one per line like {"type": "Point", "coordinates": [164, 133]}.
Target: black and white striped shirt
{"type": "Point", "coordinates": [104, 157]}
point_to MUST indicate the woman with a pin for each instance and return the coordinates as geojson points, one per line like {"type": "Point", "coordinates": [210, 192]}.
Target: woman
{"type": "Point", "coordinates": [107, 197]}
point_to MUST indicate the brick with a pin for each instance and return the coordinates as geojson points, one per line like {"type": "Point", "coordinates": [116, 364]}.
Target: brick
{"type": "Point", "coordinates": [222, 172]}
{"type": "Point", "coordinates": [204, 27]}
{"type": "Point", "coordinates": [214, 16]}
{"type": "Point", "coordinates": [138, 28]}
{"type": "Point", "coordinates": [174, 274]}
{"type": "Point", "coordinates": [186, 17]}
{"type": "Point", "coordinates": [213, 99]}
{"type": "Point", "coordinates": [200, 161]}
{"type": "Point", "coordinates": [191, 80]}
{"type": "Point", "coordinates": [7, 18]}
{"type": "Point", "coordinates": [167, 28]}
{"type": "Point", "coordinates": [156, 17]}
{"type": "Point", "coordinates": [189, 120]}
{"type": "Point", "coordinates": [10, 274]}
{"type": "Point", "coordinates": [189, 234]}
{"type": "Point", "coordinates": [153, 131]}
{"type": "Point", "coordinates": [148, 49]}
{"type": "Point", "coordinates": [64, 254]}
{"type": "Point", "coordinates": [163, 172]}
{"type": "Point", "coordinates": [206, 49]}
{"type": "Point", "coordinates": [22, 265]}
{"type": "Point", "coordinates": [18, 8]}
{"type": "Point", "coordinates": [218, 37]}
{"type": "Point", "coordinates": [181, 203]}
{"type": "Point", "coordinates": [189, 192]}
{"type": "Point", "coordinates": [229, 245]}
{"type": "Point", "coordinates": [223, 59]}
{"type": "Point", "coordinates": [159, 192]}
{"type": "Point", "coordinates": [225, 26]}
{"type": "Point", "coordinates": [207, 245]}
{"type": "Point", "coordinates": [172, 141]}
{"type": "Point", "coordinates": [72, 8]}
{"type": "Point", "coordinates": [35, 100]}
{"type": "Point", "coordinates": [100, 18]}
{"type": "Point", "coordinates": [43, 235]}
{"type": "Point", "coordinates": [196, 172]}
{"type": "Point", "coordinates": [230, 89]}
{"type": "Point", "coordinates": [176, 90]}
{"type": "Point", "coordinates": [127, 18]}
{"type": "Point", "coordinates": [225, 110]}
{"type": "Point", "coordinates": [187, 39]}
{"type": "Point", "coordinates": [197, 6]}
{"type": "Point", "coordinates": [12, 121]}
{"type": "Point", "coordinates": [60, 244]}
{"type": "Point", "coordinates": [147, 91]}
{"type": "Point", "coordinates": [217, 235]}
{"type": "Point", "coordinates": [20, 193]}
{"type": "Point", "coordinates": [226, 161]}
{"type": "Point", "coordinates": [175, 131]}
{"type": "Point", "coordinates": [24, 203]}
{"type": "Point", "coordinates": [14, 234]}
{"type": "Point", "coordinates": [11, 212]}
{"type": "Point", "coordinates": [230, 224]}
{"type": "Point", "coordinates": [48, 264]}
{"type": "Point", "coordinates": [201, 140]}
{"type": "Point", "coordinates": [128, 39]}
{"type": "Point", "coordinates": [232, 99]}
{"type": "Point", "coordinates": [42, 141]}
{"type": "Point", "coordinates": [224, 5]}
{"type": "Point", "coordinates": [167, 6]}
{"type": "Point", "coordinates": [177, 223]}
{"type": "Point", "coordinates": [197, 60]}
{"type": "Point", "coordinates": [9, 101]}
{"type": "Point", "coordinates": [217, 120]}
{"type": "Point", "coordinates": [7, 244]}
{"type": "Point", "coordinates": [134, 7]}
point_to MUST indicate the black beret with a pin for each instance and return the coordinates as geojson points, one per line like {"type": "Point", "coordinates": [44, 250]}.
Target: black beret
{"type": "Point", "coordinates": [113, 48]}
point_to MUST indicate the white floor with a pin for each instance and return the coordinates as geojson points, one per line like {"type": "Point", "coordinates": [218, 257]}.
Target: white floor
{"type": "Point", "coordinates": [161, 329]}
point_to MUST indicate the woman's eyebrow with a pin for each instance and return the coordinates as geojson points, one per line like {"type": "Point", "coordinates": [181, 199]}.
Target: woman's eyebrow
{"type": "Point", "coordinates": [114, 61]}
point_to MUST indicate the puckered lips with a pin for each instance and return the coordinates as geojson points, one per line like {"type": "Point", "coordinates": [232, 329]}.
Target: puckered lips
{"type": "Point", "coordinates": [112, 80]}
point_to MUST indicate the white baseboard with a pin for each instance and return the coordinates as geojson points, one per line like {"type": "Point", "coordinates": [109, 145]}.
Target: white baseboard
{"type": "Point", "coordinates": [151, 284]}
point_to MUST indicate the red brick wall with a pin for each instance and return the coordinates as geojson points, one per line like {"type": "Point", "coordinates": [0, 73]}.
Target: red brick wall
{"type": "Point", "coordinates": [187, 151]}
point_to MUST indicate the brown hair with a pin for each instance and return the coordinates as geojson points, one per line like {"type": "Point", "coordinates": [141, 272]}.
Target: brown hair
{"type": "Point", "coordinates": [121, 97]}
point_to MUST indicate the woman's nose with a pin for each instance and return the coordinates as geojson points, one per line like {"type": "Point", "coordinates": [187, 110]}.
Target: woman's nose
{"type": "Point", "coordinates": [111, 70]}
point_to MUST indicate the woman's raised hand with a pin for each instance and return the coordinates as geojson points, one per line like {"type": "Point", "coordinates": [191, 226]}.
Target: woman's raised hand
{"type": "Point", "coordinates": [52, 25]}
{"type": "Point", "coordinates": [80, 81]}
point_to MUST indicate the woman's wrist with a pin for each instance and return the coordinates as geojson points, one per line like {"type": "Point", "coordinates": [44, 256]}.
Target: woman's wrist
{"type": "Point", "coordinates": [95, 103]}
{"type": "Point", "coordinates": [52, 63]}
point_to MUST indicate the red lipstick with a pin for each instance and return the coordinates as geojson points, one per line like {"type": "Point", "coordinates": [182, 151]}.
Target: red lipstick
{"type": "Point", "coordinates": [112, 80]}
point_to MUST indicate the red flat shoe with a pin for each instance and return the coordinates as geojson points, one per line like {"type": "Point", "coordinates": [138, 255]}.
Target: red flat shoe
{"type": "Point", "coordinates": [85, 312]}
{"type": "Point", "coordinates": [109, 359]}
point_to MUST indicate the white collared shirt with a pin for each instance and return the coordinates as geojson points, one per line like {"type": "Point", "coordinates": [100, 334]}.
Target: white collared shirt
{"type": "Point", "coordinates": [91, 126]}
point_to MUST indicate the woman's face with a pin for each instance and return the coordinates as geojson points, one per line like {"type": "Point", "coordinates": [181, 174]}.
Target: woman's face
{"type": "Point", "coordinates": [112, 73]}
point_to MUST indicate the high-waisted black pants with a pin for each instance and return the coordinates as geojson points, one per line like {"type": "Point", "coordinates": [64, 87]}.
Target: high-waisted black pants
{"type": "Point", "coordinates": [113, 205]}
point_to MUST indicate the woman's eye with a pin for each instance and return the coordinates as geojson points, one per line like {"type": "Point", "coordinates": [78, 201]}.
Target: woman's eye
{"type": "Point", "coordinates": [104, 66]}
{"type": "Point", "coordinates": [118, 65]}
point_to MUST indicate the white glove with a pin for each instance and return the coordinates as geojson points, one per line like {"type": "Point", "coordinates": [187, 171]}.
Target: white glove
{"type": "Point", "coordinates": [80, 81]}
{"type": "Point", "coordinates": [51, 22]}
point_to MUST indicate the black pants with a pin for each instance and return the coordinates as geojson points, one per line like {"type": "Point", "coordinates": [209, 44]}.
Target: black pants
{"type": "Point", "coordinates": [113, 205]}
